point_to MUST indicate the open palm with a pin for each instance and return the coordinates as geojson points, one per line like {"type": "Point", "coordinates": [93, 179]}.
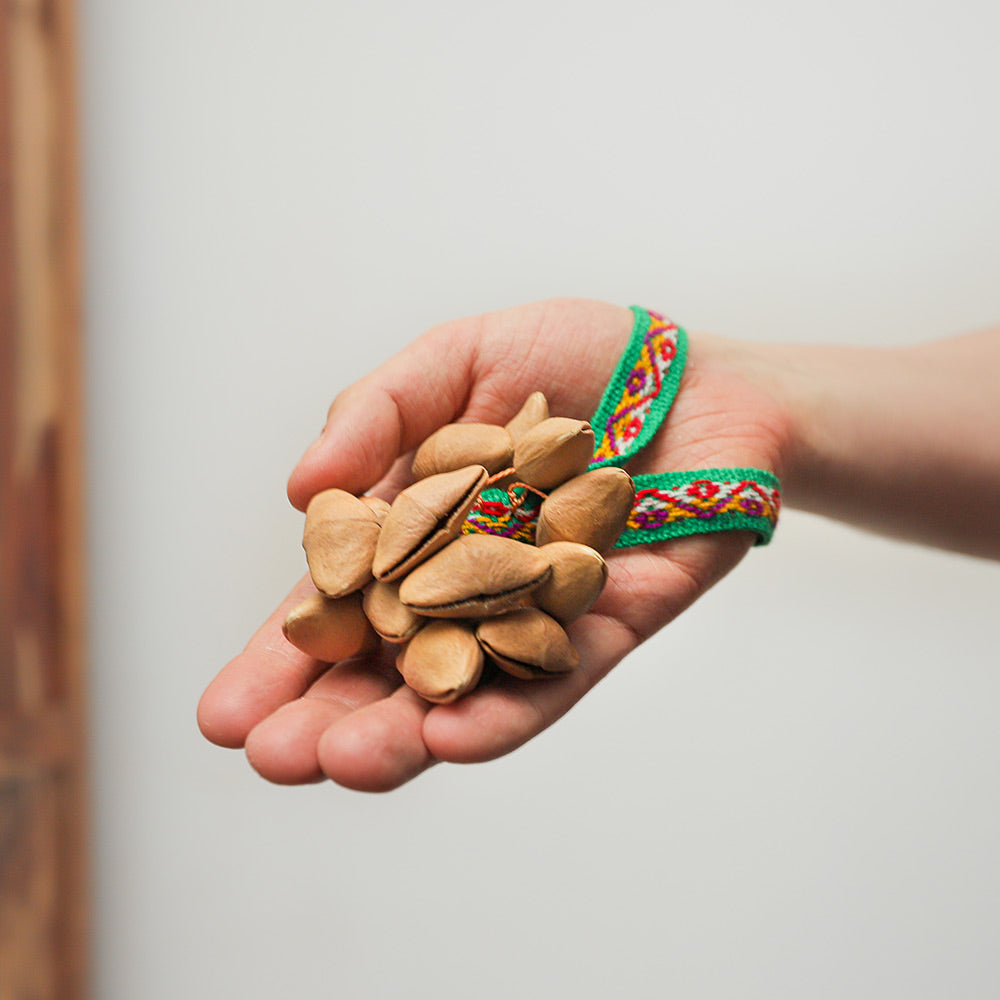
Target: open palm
{"type": "Point", "coordinates": [301, 720]}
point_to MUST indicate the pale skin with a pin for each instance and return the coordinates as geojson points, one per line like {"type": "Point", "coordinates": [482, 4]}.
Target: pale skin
{"type": "Point", "coordinates": [886, 439]}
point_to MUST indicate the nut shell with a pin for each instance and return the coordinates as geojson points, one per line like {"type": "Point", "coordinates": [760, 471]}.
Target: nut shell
{"type": "Point", "coordinates": [337, 505]}
{"type": "Point", "coordinates": [475, 576]}
{"type": "Point", "coordinates": [392, 619]}
{"type": "Point", "coordinates": [340, 536]}
{"type": "Point", "coordinates": [592, 509]}
{"type": "Point", "coordinates": [528, 644]}
{"type": "Point", "coordinates": [532, 413]}
{"type": "Point", "coordinates": [378, 506]}
{"type": "Point", "coordinates": [424, 518]}
{"type": "Point", "coordinates": [456, 446]}
{"type": "Point", "coordinates": [442, 661]}
{"type": "Point", "coordinates": [330, 629]}
{"type": "Point", "coordinates": [553, 451]}
{"type": "Point", "coordinates": [578, 576]}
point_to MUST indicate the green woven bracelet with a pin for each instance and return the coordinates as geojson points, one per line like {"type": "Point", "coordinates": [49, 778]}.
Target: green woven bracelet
{"type": "Point", "coordinates": [667, 504]}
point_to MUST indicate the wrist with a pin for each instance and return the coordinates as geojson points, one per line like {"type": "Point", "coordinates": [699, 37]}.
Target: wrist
{"type": "Point", "coordinates": [817, 405]}
{"type": "Point", "coordinates": [762, 419]}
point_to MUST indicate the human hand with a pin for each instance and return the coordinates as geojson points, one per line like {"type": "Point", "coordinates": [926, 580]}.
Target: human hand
{"type": "Point", "coordinates": [355, 722]}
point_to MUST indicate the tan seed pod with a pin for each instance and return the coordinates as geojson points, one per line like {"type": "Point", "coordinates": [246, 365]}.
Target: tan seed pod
{"type": "Point", "coordinates": [424, 518]}
{"type": "Point", "coordinates": [533, 412]}
{"type": "Point", "coordinates": [578, 576]}
{"type": "Point", "coordinates": [392, 619]}
{"type": "Point", "coordinates": [475, 576]}
{"type": "Point", "coordinates": [553, 451]}
{"type": "Point", "coordinates": [456, 446]}
{"type": "Point", "coordinates": [337, 505]}
{"type": "Point", "coordinates": [442, 662]}
{"type": "Point", "coordinates": [528, 644]}
{"type": "Point", "coordinates": [340, 537]}
{"type": "Point", "coordinates": [330, 629]}
{"type": "Point", "coordinates": [378, 506]}
{"type": "Point", "coordinates": [592, 509]}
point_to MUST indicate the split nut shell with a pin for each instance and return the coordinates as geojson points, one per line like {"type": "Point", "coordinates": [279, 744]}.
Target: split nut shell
{"type": "Point", "coordinates": [340, 537]}
{"type": "Point", "coordinates": [456, 446]}
{"type": "Point", "coordinates": [553, 451]}
{"type": "Point", "coordinates": [392, 619]}
{"type": "Point", "coordinates": [532, 413]}
{"type": "Point", "coordinates": [475, 577]}
{"type": "Point", "coordinates": [592, 509]}
{"type": "Point", "coordinates": [424, 518]}
{"type": "Point", "coordinates": [377, 506]}
{"type": "Point", "coordinates": [527, 644]}
{"type": "Point", "coordinates": [578, 577]}
{"type": "Point", "coordinates": [330, 629]}
{"type": "Point", "coordinates": [442, 662]}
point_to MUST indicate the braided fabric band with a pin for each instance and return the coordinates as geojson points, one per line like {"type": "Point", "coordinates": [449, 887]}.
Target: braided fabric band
{"type": "Point", "coordinates": [669, 504]}
{"type": "Point", "coordinates": [641, 389]}
{"type": "Point", "coordinates": [509, 513]}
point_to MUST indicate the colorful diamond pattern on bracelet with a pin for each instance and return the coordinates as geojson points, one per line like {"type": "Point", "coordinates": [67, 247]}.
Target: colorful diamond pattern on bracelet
{"type": "Point", "coordinates": [683, 503]}
{"type": "Point", "coordinates": [641, 390]}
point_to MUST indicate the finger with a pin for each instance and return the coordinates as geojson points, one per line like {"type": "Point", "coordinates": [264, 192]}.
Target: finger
{"type": "Point", "coordinates": [399, 476]}
{"type": "Point", "coordinates": [282, 748]}
{"type": "Point", "coordinates": [269, 673]}
{"type": "Point", "coordinates": [388, 412]}
{"type": "Point", "coordinates": [645, 590]}
{"type": "Point", "coordinates": [379, 747]}
{"type": "Point", "coordinates": [498, 718]}
{"type": "Point", "coordinates": [650, 585]}
{"type": "Point", "coordinates": [480, 368]}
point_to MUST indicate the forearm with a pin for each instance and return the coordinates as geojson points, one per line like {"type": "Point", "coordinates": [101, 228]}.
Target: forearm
{"type": "Point", "coordinates": [903, 441]}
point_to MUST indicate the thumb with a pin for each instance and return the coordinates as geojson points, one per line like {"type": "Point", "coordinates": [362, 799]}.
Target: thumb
{"type": "Point", "coordinates": [388, 412]}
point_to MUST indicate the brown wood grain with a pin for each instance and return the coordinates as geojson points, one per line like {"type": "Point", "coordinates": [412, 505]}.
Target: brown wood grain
{"type": "Point", "coordinates": [44, 912]}
{"type": "Point", "coordinates": [8, 312]}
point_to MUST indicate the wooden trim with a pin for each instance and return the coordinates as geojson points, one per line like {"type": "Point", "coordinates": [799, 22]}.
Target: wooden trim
{"type": "Point", "coordinates": [44, 911]}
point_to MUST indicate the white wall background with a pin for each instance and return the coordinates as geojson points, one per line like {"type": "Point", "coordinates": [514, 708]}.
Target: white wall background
{"type": "Point", "coordinates": [792, 792]}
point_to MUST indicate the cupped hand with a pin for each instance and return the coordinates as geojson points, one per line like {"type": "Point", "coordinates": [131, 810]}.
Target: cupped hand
{"type": "Point", "coordinates": [302, 721]}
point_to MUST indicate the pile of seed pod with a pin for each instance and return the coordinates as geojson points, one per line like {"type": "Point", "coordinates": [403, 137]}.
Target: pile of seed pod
{"type": "Point", "coordinates": [408, 574]}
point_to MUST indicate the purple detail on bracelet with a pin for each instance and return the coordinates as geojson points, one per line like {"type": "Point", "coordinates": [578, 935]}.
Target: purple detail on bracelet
{"type": "Point", "coordinates": [638, 389]}
{"type": "Point", "coordinates": [702, 500]}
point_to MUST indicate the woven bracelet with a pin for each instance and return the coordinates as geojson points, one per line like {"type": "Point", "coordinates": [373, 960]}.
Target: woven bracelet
{"type": "Point", "coordinates": [667, 504]}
